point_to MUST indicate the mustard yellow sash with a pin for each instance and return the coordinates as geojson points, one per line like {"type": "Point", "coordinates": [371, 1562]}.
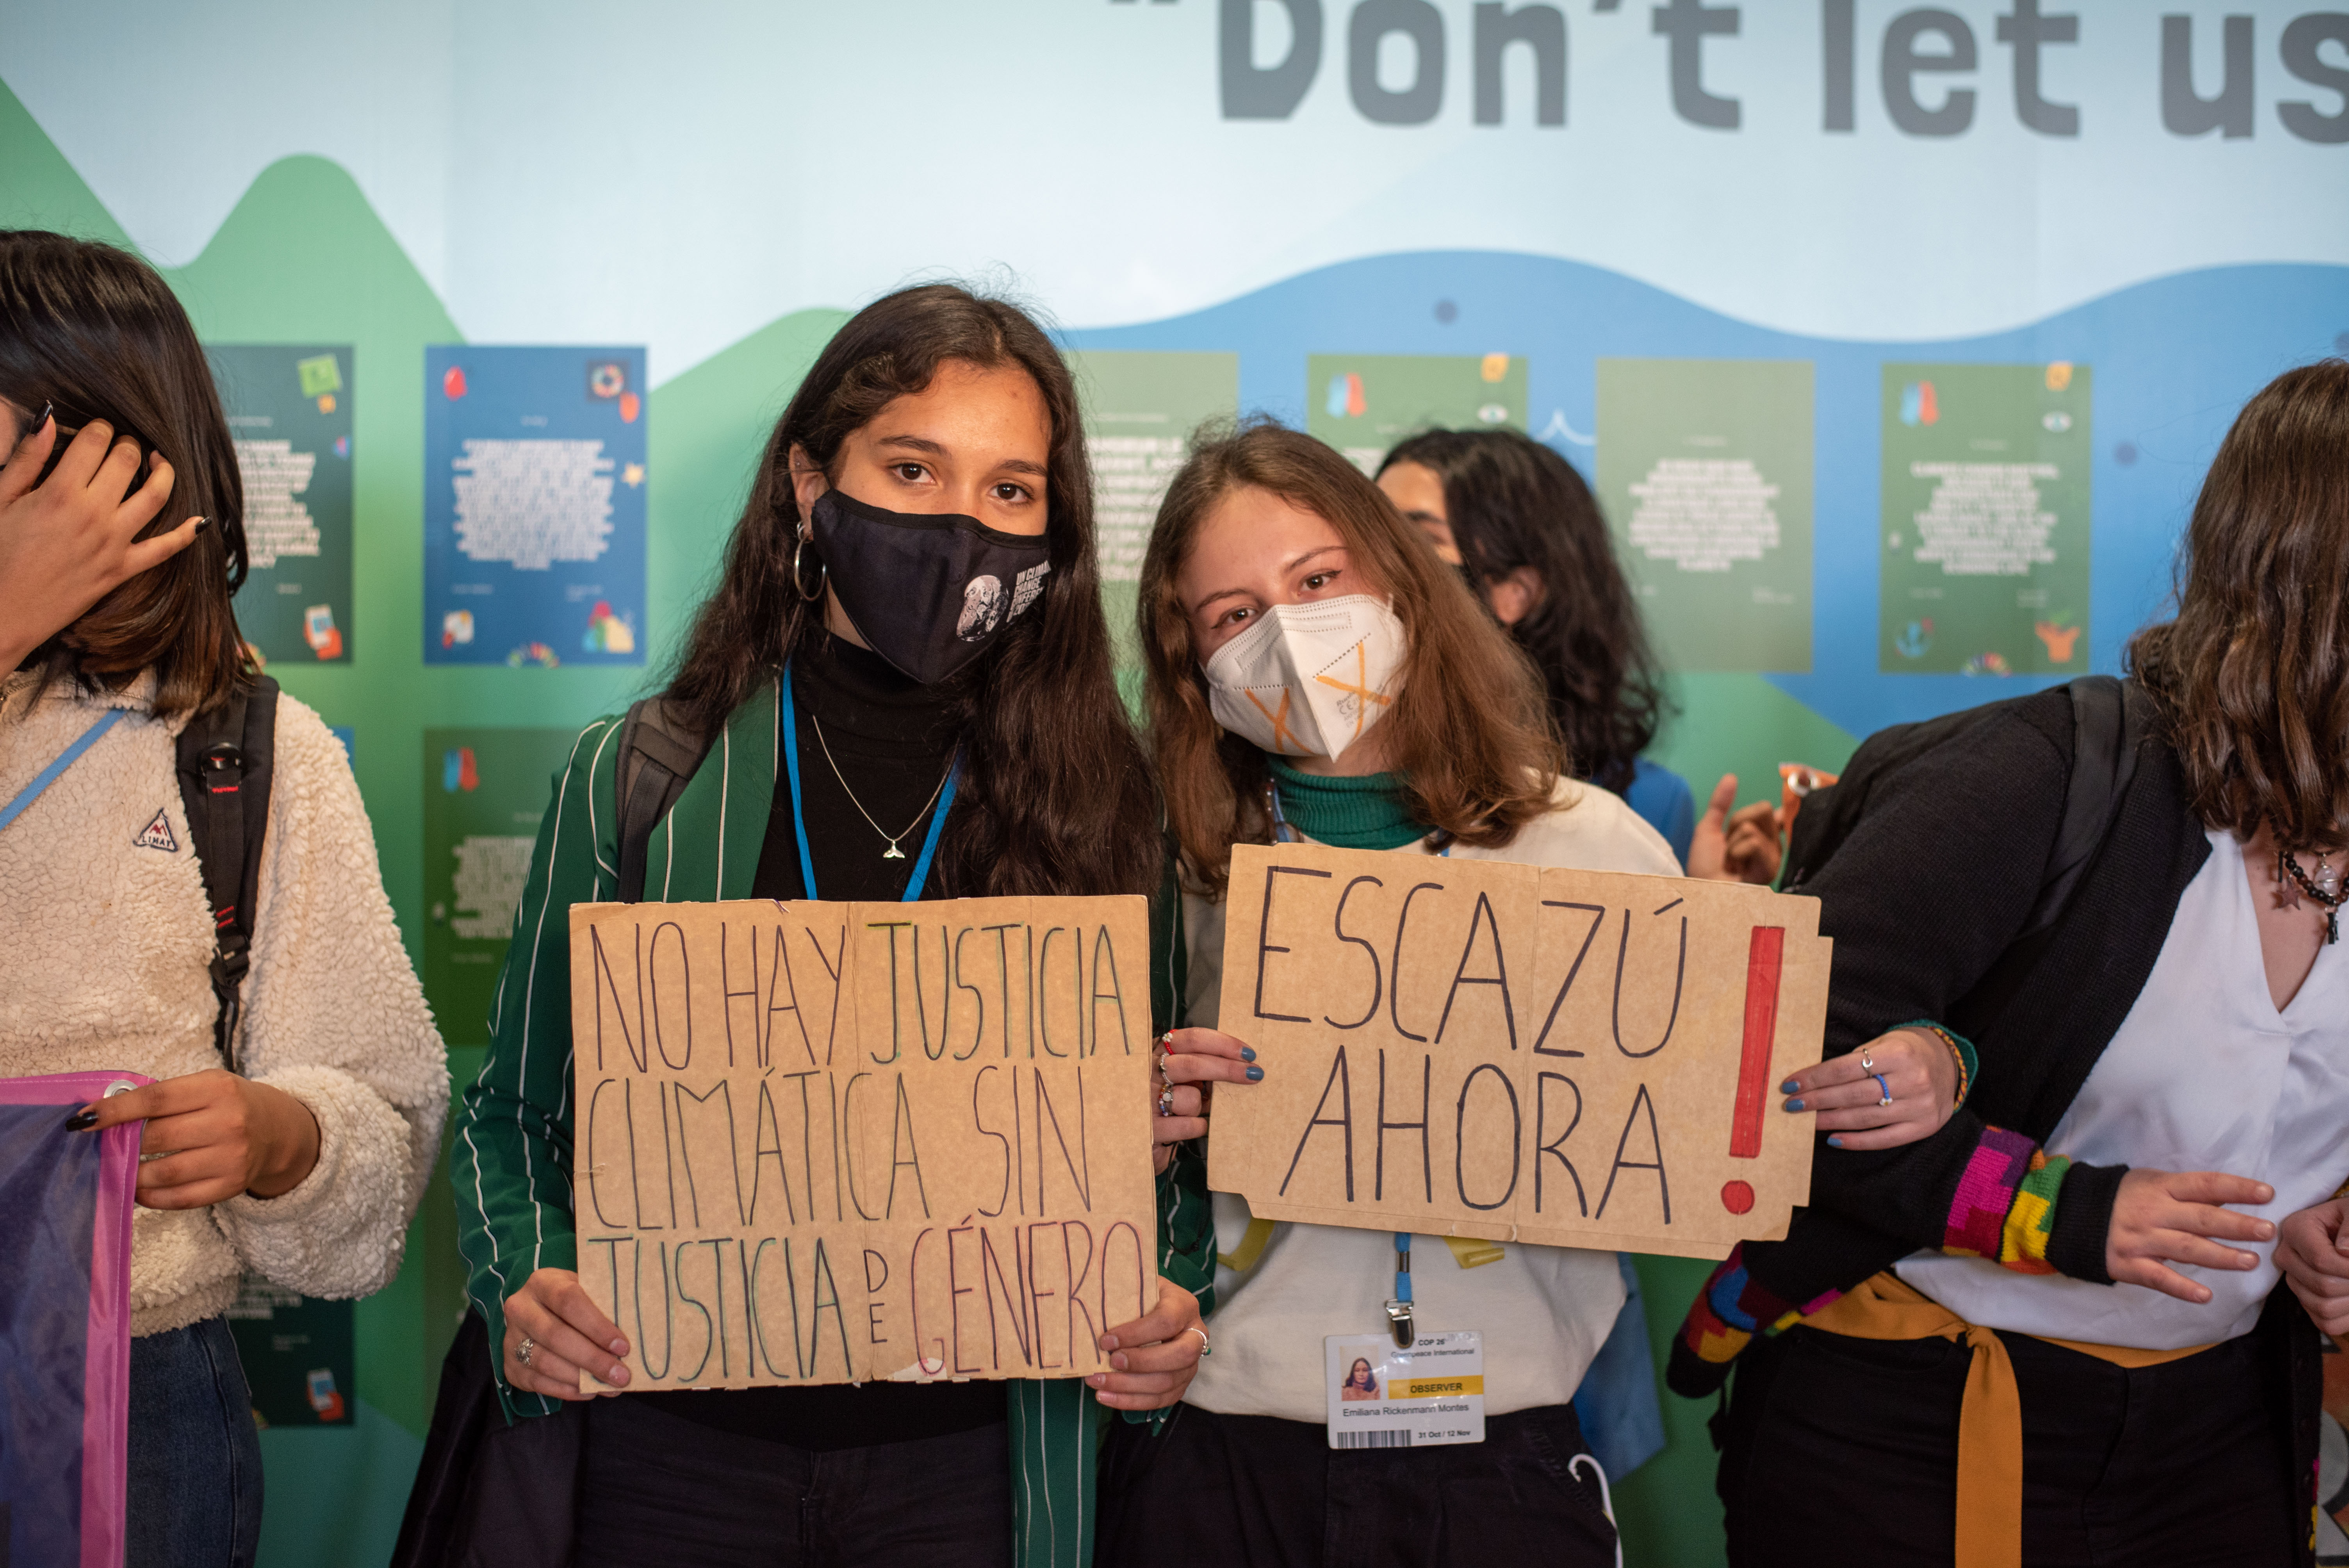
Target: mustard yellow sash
{"type": "Point", "coordinates": [1989, 1422]}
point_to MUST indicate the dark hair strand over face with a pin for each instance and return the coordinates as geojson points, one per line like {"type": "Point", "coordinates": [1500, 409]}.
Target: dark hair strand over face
{"type": "Point", "coordinates": [94, 331]}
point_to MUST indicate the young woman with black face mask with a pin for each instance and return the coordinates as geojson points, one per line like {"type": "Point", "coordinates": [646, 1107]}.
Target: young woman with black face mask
{"type": "Point", "coordinates": [908, 666]}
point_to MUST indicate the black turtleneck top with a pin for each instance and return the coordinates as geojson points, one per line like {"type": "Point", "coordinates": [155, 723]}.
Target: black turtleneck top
{"type": "Point", "coordinates": [890, 742]}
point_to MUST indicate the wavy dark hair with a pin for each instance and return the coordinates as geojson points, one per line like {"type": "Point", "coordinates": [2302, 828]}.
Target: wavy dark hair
{"type": "Point", "coordinates": [1055, 797]}
{"type": "Point", "coordinates": [2252, 675]}
{"type": "Point", "coordinates": [96, 332]}
{"type": "Point", "coordinates": [1513, 502]}
{"type": "Point", "coordinates": [1466, 734]}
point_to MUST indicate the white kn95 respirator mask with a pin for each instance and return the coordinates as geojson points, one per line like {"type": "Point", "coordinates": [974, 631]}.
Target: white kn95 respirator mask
{"type": "Point", "coordinates": [1307, 680]}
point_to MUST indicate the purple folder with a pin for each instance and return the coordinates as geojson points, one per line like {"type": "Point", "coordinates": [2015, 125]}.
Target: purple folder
{"type": "Point", "coordinates": [64, 1322]}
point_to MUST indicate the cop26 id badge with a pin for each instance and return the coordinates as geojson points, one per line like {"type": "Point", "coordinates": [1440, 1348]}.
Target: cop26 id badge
{"type": "Point", "coordinates": [1383, 1397]}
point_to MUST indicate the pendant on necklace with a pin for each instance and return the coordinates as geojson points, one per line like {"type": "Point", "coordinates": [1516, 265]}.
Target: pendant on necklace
{"type": "Point", "coordinates": [893, 852]}
{"type": "Point", "coordinates": [2328, 879]}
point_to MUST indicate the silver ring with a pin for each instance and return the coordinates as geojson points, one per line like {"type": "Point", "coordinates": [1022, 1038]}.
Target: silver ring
{"type": "Point", "coordinates": [1866, 1062]}
{"type": "Point", "coordinates": [522, 1351]}
{"type": "Point", "coordinates": [1885, 1088]}
{"type": "Point", "coordinates": [1207, 1348]}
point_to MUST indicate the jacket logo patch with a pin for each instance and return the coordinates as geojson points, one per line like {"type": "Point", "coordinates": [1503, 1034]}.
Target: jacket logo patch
{"type": "Point", "coordinates": [157, 835]}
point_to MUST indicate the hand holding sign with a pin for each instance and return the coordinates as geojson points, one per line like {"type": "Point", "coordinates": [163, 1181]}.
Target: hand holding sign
{"type": "Point", "coordinates": [1572, 1059]}
{"type": "Point", "coordinates": [831, 1142]}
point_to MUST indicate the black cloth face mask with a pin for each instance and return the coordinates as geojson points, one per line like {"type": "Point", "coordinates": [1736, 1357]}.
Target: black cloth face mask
{"type": "Point", "coordinates": [928, 591]}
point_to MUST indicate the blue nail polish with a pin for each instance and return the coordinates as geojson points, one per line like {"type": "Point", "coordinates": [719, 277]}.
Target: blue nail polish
{"type": "Point", "coordinates": [1835, 1142]}
{"type": "Point", "coordinates": [1248, 1053]}
{"type": "Point", "coordinates": [1789, 1086]}
{"type": "Point", "coordinates": [1254, 1074]}
{"type": "Point", "coordinates": [1794, 1105]}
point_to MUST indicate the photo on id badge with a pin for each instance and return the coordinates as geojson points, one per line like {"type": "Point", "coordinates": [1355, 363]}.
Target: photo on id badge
{"type": "Point", "coordinates": [1385, 1397]}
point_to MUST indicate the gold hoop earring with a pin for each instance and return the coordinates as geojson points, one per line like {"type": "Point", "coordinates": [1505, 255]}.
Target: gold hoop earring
{"type": "Point", "coordinates": [824, 578]}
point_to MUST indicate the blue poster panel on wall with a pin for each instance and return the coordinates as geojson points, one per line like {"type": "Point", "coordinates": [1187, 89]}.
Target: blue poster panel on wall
{"type": "Point", "coordinates": [534, 505]}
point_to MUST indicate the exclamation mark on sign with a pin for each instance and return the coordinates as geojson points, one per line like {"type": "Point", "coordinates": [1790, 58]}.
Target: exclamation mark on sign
{"type": "Point", "coordinates": [1762, 962]}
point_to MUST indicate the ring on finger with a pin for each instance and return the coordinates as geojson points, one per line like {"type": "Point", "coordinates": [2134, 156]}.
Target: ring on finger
{"type": "Point", "coordinates": [1167, 1099]}
{"type": "Point", "coordinates": [1207, 1348]}
{"type": "Point", "coordinates": [1884, 1088]}
{"type": "Point", "coordinates": [522, 1351]}
{"type": "Point", "coordinates": [1866, 1062]}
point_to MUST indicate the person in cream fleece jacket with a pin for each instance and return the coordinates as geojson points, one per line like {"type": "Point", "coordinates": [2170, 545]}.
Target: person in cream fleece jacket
{"type": "Point", "coordinates": [109, 934]}
{"type": "Point", "coordinates": [302, 1155]}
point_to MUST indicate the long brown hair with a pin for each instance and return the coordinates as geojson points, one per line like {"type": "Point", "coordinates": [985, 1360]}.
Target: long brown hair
{"type": "Point", "coordinates": [1055, 794]}
{"type": "Point", "coordinates": [1468, 733]}
{"type": "Point", "coordinates": [1512, 501]}
{"type": "Point", "coordinates": [2253, 676]}
{"type": "Point", "coordinates": [95, 332]}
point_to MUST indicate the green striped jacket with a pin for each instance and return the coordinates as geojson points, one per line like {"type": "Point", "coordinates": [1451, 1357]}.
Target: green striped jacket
{"type": "Point", "coordinates": [510, 1160]}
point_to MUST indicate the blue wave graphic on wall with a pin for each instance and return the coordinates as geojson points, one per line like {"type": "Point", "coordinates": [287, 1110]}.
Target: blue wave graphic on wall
{"type": "Point", "coordinates": [2173, 360]}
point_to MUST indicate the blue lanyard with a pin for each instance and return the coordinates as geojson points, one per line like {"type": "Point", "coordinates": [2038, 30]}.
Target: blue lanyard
{"type": "Point", "coordinates": [65, 758]}
{"type": "Point", "coordinates": [789, 722]}
{"type": "Point", "coordinates": [1399, 1306]}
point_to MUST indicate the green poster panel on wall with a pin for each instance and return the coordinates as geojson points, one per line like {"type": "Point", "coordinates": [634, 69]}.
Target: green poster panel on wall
{"type": "Point", "coordinates": [1362, 404]}
{"type": "Point", "coordinates": [1985, 521]}
{"type": "Point", "coordinates": [297, 1354]}
{"type": "Point", "coordinates": [484, 792]}
{"type": "Point", "coordinates": [1704, 472]}
{"type": "Point", "coordinates": [289, 413]}
{"type": "Point", "coordinates": [1140, 407]}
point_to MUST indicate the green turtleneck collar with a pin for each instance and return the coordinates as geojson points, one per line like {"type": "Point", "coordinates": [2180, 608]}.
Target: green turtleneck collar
{"type": "Point", "coordinates": [1367, 812]}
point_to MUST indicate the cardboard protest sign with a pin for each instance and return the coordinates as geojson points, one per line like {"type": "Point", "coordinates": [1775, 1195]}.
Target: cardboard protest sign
{"type": "Point", "coordinates": [832, 1142]}
{"type": "Point", "coordinates": [1462, 1047]}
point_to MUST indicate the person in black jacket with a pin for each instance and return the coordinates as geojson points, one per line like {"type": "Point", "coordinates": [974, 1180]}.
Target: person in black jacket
{"type": "Point", "coordinates": [2050, 1331]}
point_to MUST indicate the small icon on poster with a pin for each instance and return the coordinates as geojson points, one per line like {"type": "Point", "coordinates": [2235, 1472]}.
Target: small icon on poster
{"type": "Point", "coordinates": [456, 628]}
{"type": "Point", "coordinates": [606, 380]}
{"type": "Point", "coordinates": [608, 633]}
{"type": "Point", "coordinates": [321, 375]}
{"type": "Point", "coordinates": [325, 1398]}
{"type": "Point", "coordinates": [459, 771]}
{"type": "Point", "coordinates": [318, 630]}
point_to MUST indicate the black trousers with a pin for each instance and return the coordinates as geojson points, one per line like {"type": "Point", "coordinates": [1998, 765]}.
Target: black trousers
{"type": "Point", "coordinates": [1250, 1492]}
{"type": "Point", "coordinates": [657, 1488]}
{"type": "Point", "coordinates": [1836, 1450]}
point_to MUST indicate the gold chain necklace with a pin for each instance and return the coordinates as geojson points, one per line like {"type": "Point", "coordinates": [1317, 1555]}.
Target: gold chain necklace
{"type": "Point", "coordinates": [893, 852]}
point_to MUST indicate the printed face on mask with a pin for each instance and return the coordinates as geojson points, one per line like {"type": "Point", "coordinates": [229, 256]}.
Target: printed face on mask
{"type": "Point", "coordinates": [933, 539]}
{"type": "Point", "coordinates": [1302, 653]}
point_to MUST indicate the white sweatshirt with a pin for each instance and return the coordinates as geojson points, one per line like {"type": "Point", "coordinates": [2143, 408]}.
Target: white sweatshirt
{"type": "Point", "coordinates": [1544, 1311]}
{"type": "Point", "coordinates": [108, 936]}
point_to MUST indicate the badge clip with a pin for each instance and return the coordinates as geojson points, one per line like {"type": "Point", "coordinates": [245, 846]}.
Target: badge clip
{"type": "Point", "coordinates": [1399, 1321]}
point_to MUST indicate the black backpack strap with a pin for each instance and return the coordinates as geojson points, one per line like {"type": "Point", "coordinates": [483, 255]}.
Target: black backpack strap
{"type": "Point", "coordinates": [2109, 720]}
{"type": "Point", "coordinates": [659, 757]}
{"type": "Point", "coordinates": [226, 761]}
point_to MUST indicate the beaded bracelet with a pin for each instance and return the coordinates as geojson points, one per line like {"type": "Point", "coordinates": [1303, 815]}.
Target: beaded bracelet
{"type": "Point", "coordinates": [1960, 1049]}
